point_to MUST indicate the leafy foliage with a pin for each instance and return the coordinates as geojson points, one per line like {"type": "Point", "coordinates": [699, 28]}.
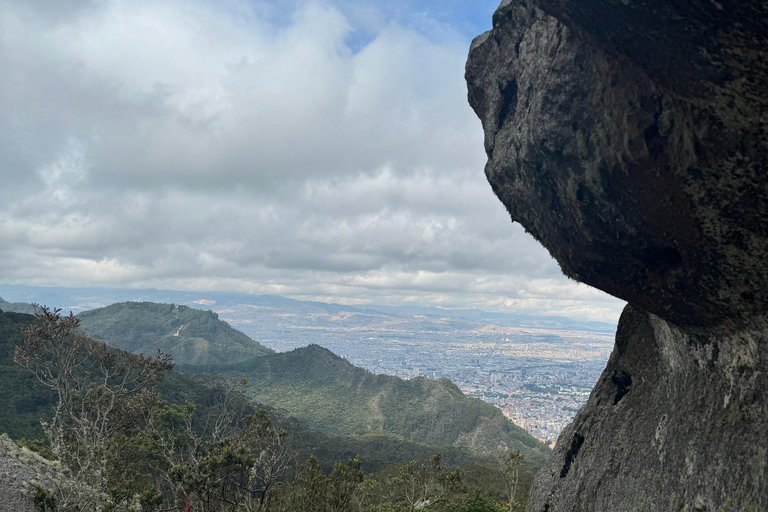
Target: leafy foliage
{"type": "Point", "coordinates": [23, 402]}
{"type": "Point", "coordinates": [44, 500]}
{"type": "Point", "coordinates": [93, 386]}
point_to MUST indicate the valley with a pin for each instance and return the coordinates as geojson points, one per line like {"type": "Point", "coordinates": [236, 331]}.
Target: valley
{"type": "Point", "coordinates": [538, 376]}
{"type": "Point", "coordinates": [538, 370]}
{"type": "Point", "coordinates": [385, 384]}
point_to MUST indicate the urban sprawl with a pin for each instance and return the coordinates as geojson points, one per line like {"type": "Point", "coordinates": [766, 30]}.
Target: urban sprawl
{"type": "Point", "coordinates": [538, 377]}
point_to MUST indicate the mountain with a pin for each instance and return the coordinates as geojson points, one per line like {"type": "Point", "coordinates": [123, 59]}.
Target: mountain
{"type": "Point", "coordinates": [25, 401]}
{"type": "Point", "coordinates": [16, 307]}
{"type": "Point", "coordinates": [83, 299]}
{"type": "Point", "coordinates": [314, 385]}
{"type": "Point", "coordinates": [334, 396]}
{"type": "Point", "coordinates": [191, 336]}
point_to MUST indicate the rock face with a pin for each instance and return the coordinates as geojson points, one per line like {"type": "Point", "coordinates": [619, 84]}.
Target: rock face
{"type": "Point", "coordinates": [633, 151]}
{"type": "Point", "coordinates": [630, 137]}
{"type": "Point", "coordinates": [21, 471]}
{"type": "Point", "coordinates": [678, 421]}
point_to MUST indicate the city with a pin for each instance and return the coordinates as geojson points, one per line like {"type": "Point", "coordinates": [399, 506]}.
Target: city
{"type": "Point", "coordinates": [538, 376]}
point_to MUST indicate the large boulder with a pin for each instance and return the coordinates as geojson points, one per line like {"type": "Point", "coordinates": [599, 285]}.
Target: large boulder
{"type": "Point", "coordinates": [677, 422]}
{"type": "Point", "coordinates": [630, 137]}
{"type": "Point", "coordinates": [633, 148]}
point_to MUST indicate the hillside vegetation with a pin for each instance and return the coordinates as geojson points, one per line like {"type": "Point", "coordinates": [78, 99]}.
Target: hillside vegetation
{"type": "Point", "coordinates": [333, 396]}
{"type": "Point", "coordinates": [16, 307]}
{"type": "Point", "coordinates": [190, 336]}
{"type": "Point", "coordinates": [25, 401]}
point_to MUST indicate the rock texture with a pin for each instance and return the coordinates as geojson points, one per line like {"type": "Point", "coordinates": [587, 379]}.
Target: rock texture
{"type": "Point", "coordinates": [678, 421]}
{"type": "Point", "coordinates": [632, 150]}
{"type": "Point", "coordinates": [21, 471]}
{"type": "Point", "coordinates": [630, 137]}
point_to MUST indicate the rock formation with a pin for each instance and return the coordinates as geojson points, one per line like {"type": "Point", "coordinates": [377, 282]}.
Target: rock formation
{"type": "Point", "coordinates": [21, 472]}
{"type": "Point", "coordinates": [630, 137]}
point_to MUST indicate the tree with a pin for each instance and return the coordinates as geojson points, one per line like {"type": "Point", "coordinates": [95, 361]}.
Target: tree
{"type": "Point", "coordinates": [92, 385]}
{"type": "Point", "coordinates": [511, 469]}
{"type": "Point", "coordinates": [237, 472]}
{"type": "Point", "coordinates": [225, 461]}
{"type": "Point", "coordinates": [339, 491]}
{"type": "Point", "coordinates": [342, 485]}
{"type": "Point", "coordinates": [422, 486]}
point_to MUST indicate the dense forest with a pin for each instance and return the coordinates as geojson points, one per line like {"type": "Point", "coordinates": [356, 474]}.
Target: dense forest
{"type": "Point", "coordinates": [336, 397]}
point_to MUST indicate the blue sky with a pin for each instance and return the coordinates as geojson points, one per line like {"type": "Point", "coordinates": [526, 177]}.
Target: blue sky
{"type": "Point", "coordinates": [320, 149]}
{"type": "Point", "coordinates": [464, 18]}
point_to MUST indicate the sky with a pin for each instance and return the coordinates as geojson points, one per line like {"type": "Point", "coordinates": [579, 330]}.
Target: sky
{"type": "Point", "coordinates": [321, 150]}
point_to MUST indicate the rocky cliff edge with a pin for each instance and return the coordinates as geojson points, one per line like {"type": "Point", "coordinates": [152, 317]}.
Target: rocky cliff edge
{"type": "Point", "coordinates": [630, 137]}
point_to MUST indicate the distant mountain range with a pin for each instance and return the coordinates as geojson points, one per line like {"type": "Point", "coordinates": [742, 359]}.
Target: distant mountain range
{"type": "Point", "coordinates": [17, 307]}
{"type": "Point", "coordinates": [233, 306]}
{"type": "Point", "coordinates": [190, 336]}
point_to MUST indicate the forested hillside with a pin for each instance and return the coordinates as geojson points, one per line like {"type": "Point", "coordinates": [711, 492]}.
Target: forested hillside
{"type": "Point", "coordinates": [24, 402]}
{"type": "Point", "coordinates": [415, 420]}
{"type": "Point", "coordinates": [190, 336]}
{"type": "Point", "coordinates": [16, 307]}
{"type": "Point", "coordinates": [334, 396]}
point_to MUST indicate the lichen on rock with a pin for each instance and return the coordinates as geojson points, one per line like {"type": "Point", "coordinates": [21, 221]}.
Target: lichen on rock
{"type": "Point", "coordinates": [22, 471]}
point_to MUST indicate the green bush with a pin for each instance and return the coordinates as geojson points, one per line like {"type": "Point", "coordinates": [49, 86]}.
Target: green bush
{"type": "Point", "coordinates": [44, 500]}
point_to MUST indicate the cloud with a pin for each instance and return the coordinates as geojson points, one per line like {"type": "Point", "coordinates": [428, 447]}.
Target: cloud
{"type": "Point", "coordinates": [326, 150]}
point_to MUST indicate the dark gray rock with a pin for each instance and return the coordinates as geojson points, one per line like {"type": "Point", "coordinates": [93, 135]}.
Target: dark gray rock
{"type": "Point", "coordinates": [642, 179]}
{"type": "Point", "coordinates": [630, 137]}
{"type": "Point", "coordinates": [677, 422]}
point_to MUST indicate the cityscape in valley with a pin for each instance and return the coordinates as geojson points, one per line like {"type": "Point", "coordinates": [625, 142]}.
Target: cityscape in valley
{"type": "Point", "coordinates": [539, 378]}
{"type": "Point", "coordinates": [537, 372]}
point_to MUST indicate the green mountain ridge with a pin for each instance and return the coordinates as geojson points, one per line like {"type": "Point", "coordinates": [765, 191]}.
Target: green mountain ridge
{"type": "Point", "coordinates": [16, 307]}
{"type": "Point", "coordinates": [189, 335]}
{"type": "Point", "coordinates": [321, 389]}
{"type": "Point", "coordinates": [25, 402]}
{"type": "Point", "coordinates": [334, 396]}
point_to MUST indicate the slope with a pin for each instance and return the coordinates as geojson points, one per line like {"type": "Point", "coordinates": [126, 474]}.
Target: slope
{"type": "Point", "coordinates": [16, 307]}
{"type": "Point", "coordinates": [190, 335]}
{"type": "Point", "coordinates": [334, 396]}
{"type": "Point", "coordinates": [25, 401]}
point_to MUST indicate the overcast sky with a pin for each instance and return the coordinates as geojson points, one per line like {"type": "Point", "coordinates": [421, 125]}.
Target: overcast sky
{"type": "Point", "coordinates": [320, 150]}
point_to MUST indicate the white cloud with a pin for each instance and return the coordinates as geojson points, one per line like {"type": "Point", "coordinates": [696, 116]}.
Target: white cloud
{"type": "Point", "coordinates": [195, 145]}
